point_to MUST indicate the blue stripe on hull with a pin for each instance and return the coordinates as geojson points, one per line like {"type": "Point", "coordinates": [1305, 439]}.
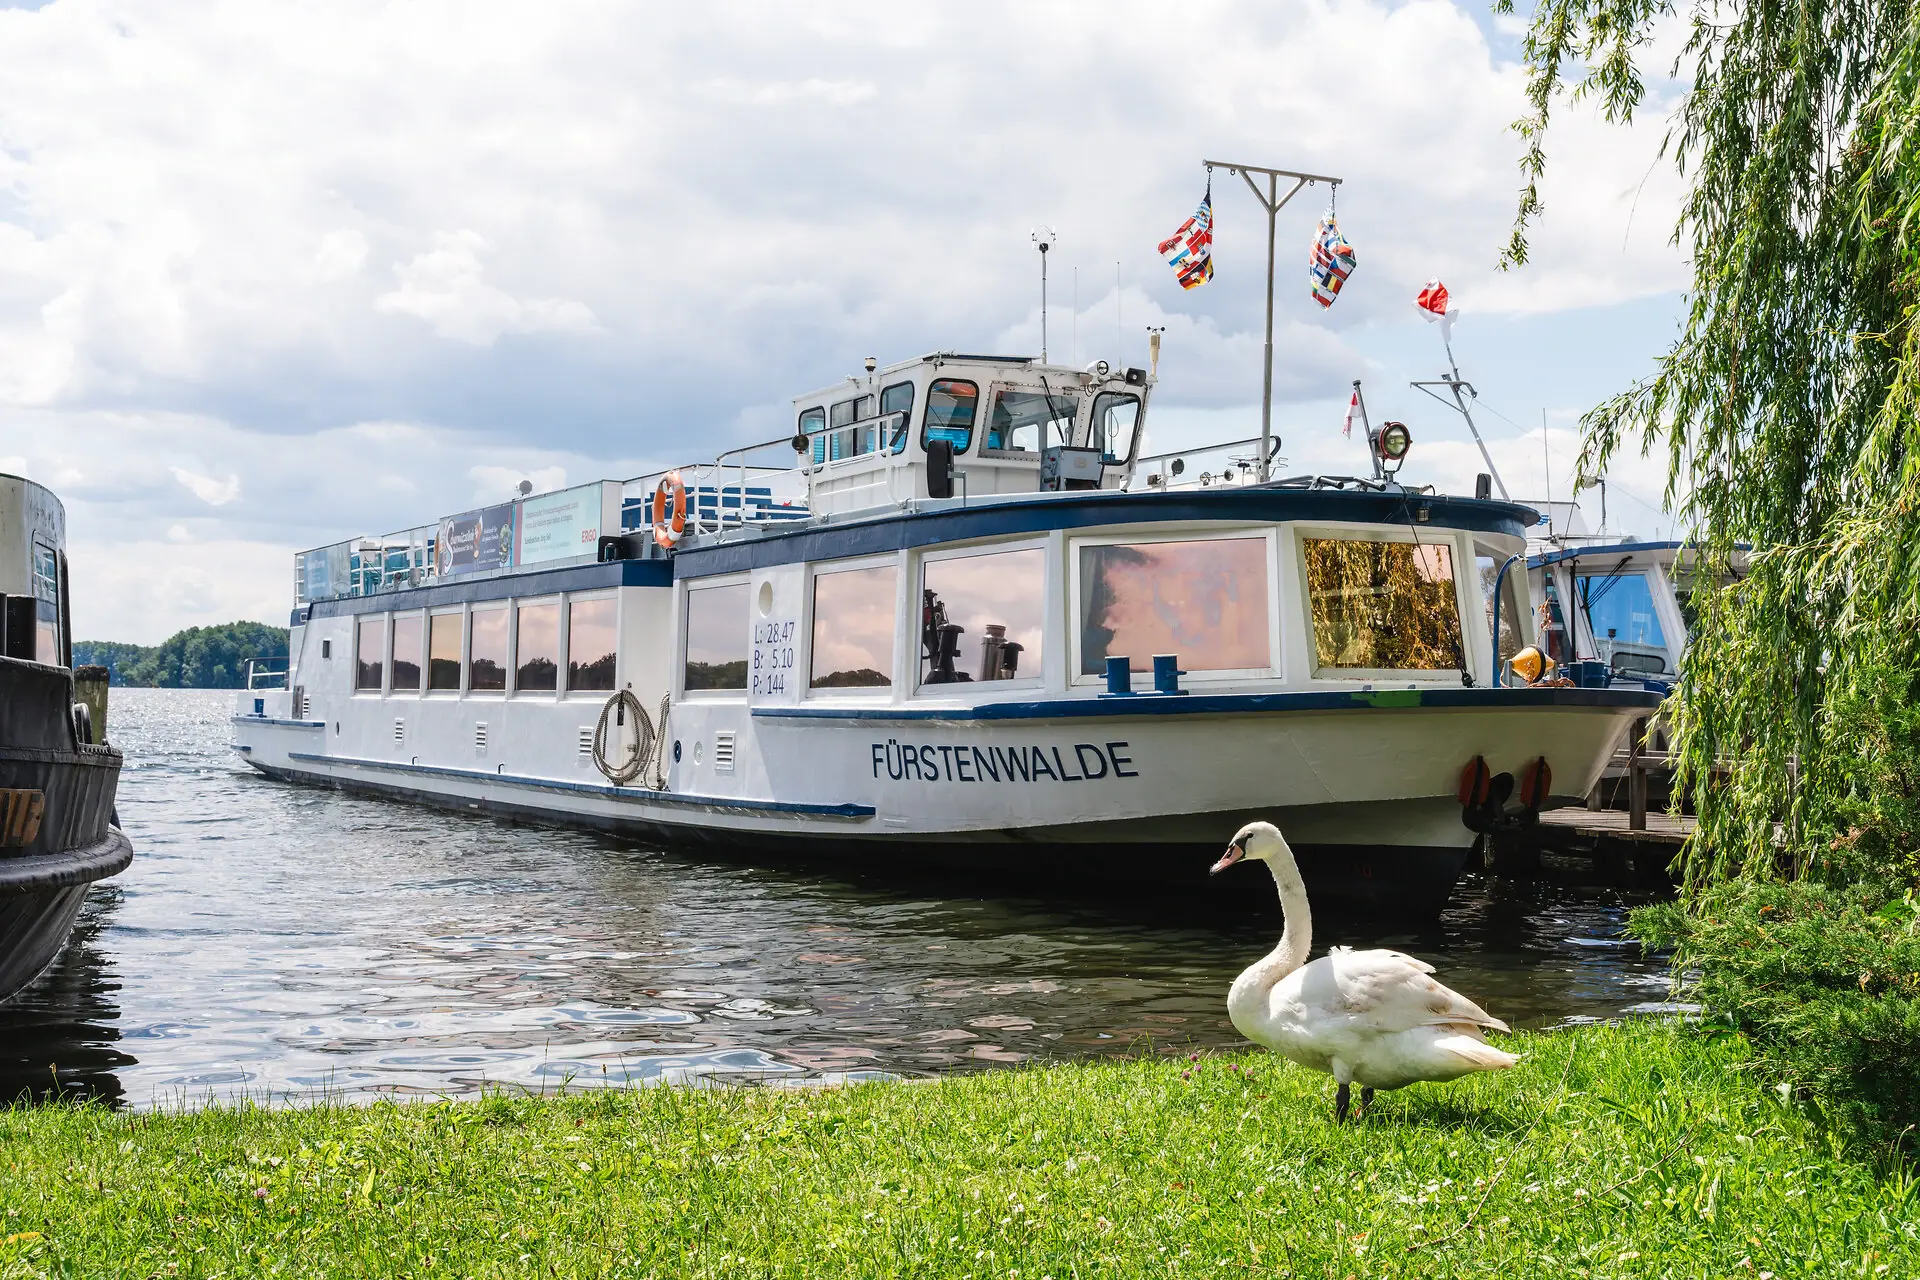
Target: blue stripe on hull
{"type": "Point", "coordinates": [638, 794]}
{"type": "Point", "coordinates": [1235, 704]}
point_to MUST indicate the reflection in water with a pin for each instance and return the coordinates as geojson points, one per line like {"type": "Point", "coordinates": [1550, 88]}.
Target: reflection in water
{"type": "Point", "coordinates": [271, 939]}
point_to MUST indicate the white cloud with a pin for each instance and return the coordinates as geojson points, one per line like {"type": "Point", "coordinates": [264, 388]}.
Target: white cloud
{"type": "Point", "coordinates": [341, 254]}
{"type": "Point", "coordinates": [215, 493]}
{"type": "Point", "coordinates": [443, 287]}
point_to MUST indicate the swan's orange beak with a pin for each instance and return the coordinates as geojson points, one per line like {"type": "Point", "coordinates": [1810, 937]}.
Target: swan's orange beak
{"type": "Point", "coordinates": [1234, 853]}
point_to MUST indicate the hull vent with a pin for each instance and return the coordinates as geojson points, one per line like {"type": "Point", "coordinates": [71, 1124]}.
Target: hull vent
{"type": "Point", "coordinates": [399, 729]}
{"type": "Point", "coordinates": [480, 737]}
{"type": "Point", "coordinates": [723, 752]}
{"type": "Point", "coordinates": [586, 741]}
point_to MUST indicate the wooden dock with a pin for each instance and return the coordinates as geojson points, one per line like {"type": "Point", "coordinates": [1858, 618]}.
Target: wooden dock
{"type": "Point", "coordinates": [1617, 824]}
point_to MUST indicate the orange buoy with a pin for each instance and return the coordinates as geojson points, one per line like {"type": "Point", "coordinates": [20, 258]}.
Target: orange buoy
{"type": "Point", "coordinates": [667, 531]}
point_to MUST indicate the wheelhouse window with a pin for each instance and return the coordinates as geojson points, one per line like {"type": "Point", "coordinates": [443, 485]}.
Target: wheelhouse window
{"type": "Point", "coordinates": [981, 617]}
{"type": "Point", "coordinates": [853, 613]}
{"type": "Point", "coordinates": [1510, 619]}
{"type": "Point", "coordinates": [487, 650]}
{"type": "Point", "coordinates": [812, 423]}
{"type": "Point", "coordinates": [1116, 417]}
{"type": "Point", "coordinates": [1383, 606]}
{"type": "Point", "coordinates": [592, 633]}
{"type": "Point", "coordinates": [406, 653]}
{"type": "Point", "coordinates": [46, 608]}
{"type": "Point", "coordinates": [536, 647]}
{"type": "Point", "coordinates": [1027, 421]}
{"type": "Point", "coordinates": [1203, 601]}
{"type": "Point", "coordinates": [368, 658]}
{"type": "Point", "coordinates": [443, 651]}
{"type": "Point", "coordinates": [952, 405]}
{"type": "Point", "coordinates": [717, 637]}
{"type": "Point", "coordinates": [1626, 630]}
{"type": "Point", "coordinates": [898, 398]}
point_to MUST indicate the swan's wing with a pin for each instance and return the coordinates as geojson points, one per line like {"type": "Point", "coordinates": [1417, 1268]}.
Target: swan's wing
{"type": "Point", "coordinates": [1389, 991]}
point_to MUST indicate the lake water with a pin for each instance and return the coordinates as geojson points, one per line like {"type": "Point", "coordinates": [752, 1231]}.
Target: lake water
{"type": "Point", "coordinates": [272, 940]}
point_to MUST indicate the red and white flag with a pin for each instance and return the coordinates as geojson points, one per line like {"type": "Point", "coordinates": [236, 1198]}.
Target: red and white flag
{"type": "Point", "coordinates": [1353, 406]}
{"type": "Point", "coordinates": [1435, 304]}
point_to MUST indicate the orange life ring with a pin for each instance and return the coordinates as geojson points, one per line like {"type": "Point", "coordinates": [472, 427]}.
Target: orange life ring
{"type": "Point", "coordinates": [666, 531]}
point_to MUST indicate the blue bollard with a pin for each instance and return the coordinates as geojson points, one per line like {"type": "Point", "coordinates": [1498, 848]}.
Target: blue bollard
{"type": "Point", "coordinates": [1119, 677]}
{"type": "Point", "coordinates": [1167, 673]}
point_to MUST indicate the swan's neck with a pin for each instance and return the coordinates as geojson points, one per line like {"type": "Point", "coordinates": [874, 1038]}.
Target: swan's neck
{"type": "Point", "coordinates": [1296, 939]}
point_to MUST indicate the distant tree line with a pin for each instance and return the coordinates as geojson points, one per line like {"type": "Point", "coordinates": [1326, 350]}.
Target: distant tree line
{"type": "Point", "coordinates": [197, 658]}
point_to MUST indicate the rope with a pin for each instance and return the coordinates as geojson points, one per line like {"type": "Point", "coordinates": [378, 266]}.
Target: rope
{"type": "Point", "coordinates": [642, 749]}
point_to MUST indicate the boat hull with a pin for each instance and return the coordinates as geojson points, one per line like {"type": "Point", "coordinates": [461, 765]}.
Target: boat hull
{"type": "Point", "coordinates": [1097, 793]}
{"type": "Point", "coordinates": [73, 841]}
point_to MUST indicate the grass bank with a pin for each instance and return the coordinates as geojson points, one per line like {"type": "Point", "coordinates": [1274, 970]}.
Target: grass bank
{"type": "Point", "coordinates": [1612, 1151]}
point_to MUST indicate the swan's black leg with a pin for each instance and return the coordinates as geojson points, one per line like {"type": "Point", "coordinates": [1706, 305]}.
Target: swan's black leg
{"type": "Point", "coordinates": [1366, 1097]}
{"type": "Point", "coordinates": [1340, 1099]}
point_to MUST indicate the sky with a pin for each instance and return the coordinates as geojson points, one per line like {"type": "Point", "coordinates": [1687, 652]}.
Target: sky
{"type": "Point", "coordinates": [276, 274]}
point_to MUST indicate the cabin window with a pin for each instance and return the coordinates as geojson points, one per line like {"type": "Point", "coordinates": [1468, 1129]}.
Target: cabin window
{"type": "Point", "coordinates": [443, 651]}
{"type": "Point", "coordinates": [536, 648]}
{"type": "Point", "coordinates": [1204, 602]}
{"type": "Point", "coordinates": [812, 423]}
{"type": "Point", "coordinates": [898, 398]}
{"type": "Point", "coordinates": [853, 613]}
{"type": "Point", "coordinates": [1626, 630]}
{"type": "Point", "coordinates": [1510, 619]}
{"type": "Point", "coordinates": [592, 630]}
{"type": "Point", "coordinates": [1026, 421]}
{"type": "Point", "coordinates": [717, 638]}
{"type": "Point", "coordinates": [1383, 606]}
{"type": "Point", "coordinates": [406, 652]}
{"type": "Point", "coordinates": [981, 617]}
{"type": "Point", "coordinates": [1115, 418]}
{"type": "Point", "coordinates": [487, 650]}
{"type": "Point", "coordinates": [952, 405]}
{"type": "Point", "coordinates": [46, 591]}
{"type": "Point", "coordinates": [367, 659]}
{"type": "Point", "coordinates": [1553, 629]}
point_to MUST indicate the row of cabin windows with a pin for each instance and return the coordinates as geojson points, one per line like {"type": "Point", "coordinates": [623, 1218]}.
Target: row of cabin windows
{"type": "Point", "coordinates": [402, 648]}
{"type": "Point", "coordinates": [1021, 421]}
{"type": "Point", "coordinates": [1387, 606]}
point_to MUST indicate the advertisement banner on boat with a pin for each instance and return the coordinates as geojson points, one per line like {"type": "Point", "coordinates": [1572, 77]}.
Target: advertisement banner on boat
{"type": "Point", "coordinates": [475, 541]}
{"type": "Point", "coordinates": [559, 526]}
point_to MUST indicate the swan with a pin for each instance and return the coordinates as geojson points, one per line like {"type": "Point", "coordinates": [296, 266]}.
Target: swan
{"type": "Point", "coordinates": [1371, 1016]}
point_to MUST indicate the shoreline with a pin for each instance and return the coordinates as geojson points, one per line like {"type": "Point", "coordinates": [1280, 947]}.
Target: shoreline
{"type": "Point", "coordinates": [1634, 1149]}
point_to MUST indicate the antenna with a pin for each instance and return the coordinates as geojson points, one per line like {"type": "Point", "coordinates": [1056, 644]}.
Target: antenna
{"type": "Point", "coordinates": [1043, 238]}
{"type": "Point", "coordinates": [1075, 330]}
{"type": "Point", "coordinates": [1454, 383]}
{"type": "Point", "coordinates": [1119, 343]}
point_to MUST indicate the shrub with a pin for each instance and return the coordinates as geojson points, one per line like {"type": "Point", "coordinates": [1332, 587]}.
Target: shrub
{"type": "Point", "coordinates": [1823, 979]}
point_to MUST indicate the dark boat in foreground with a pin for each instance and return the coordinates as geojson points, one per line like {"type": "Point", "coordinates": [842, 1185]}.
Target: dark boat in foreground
{"type": "Point", "coordinates": [57, 782]}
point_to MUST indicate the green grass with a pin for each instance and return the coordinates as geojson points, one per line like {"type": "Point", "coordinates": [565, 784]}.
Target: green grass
{"type": "Point", "coordinates": [1636, 1151]}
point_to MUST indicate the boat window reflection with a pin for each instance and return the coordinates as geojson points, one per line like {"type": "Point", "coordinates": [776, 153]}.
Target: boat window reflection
{"type": "Point", "coordinates": [1205, 602]}
{"type": "Point", "coordinates": [406, 652]}
{"type": "Point", "coordinates": [443, 657]}
{"type": "Point", "coordinates": [952, 404]}
{"type": "Point", "coordinates": [591, 635]}
{"type": "Point", "coordinates": [898, 398]}
{"type": "Point", "coordinates": [981, 617]}
{"type": "Point", "coordinates": [1025, 421]}
{"type": "Point", "coordinates": [536, 648]}
{"type": "Point", "coordinates": [853, 613]}
{"type": "Point", "coordinates": [367, 657]}
{"type": "Point", "coordinates": [487, 650]}
{"type": "Point", "coordinates": [717, 638]}
{"type": "Point", "coordinates": [1383, 606]}
{"type": "Point", "coordinates": [1114, 417]}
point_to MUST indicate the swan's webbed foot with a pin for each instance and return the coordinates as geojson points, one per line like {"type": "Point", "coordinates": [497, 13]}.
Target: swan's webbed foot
{"type": "Point", "coordinates": [1340, 1099]}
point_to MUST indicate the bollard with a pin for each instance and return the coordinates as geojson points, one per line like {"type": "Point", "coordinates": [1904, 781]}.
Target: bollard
{"type": "Point", "coordinates": [90, 688]}
{"type": "Point", "coordinates": [1119, 677]}
{"type": "Point", "coordinates": [1167, 673]}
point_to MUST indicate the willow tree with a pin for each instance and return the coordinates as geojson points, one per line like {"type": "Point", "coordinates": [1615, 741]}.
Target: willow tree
{"type": "Point", "coordinates": [1786, 407]}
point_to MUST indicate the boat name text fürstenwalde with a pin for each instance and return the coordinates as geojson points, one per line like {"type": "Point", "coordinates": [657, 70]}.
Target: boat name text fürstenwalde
{"type": "Point", "coordinates": [910, 762]}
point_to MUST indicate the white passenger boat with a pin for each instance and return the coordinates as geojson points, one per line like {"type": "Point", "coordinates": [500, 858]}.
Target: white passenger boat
{"type": "Point", "coordinates": [969, 629]}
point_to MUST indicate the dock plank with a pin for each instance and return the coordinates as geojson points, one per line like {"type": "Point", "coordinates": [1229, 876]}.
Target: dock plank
{"type": "Point", "coordinates": [1662, 828]}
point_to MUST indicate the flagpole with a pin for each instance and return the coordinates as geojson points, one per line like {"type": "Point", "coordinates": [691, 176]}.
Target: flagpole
{"type": "Point", "coordinates": [1272, 201]}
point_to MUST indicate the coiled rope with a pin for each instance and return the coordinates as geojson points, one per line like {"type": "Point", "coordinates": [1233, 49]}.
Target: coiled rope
{"type": "Point", "coordinates": [642, 749]}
